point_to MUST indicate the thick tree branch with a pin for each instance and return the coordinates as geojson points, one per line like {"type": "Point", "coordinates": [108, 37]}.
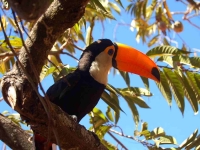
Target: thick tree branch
{"type": "Point", "coordinates": [13, 135]}
{"type": "Point", "coordinates": [16, 88]}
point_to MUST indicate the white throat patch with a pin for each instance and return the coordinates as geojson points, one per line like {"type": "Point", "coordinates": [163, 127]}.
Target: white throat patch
{"type": "Point", "coordinates": [100, 67]}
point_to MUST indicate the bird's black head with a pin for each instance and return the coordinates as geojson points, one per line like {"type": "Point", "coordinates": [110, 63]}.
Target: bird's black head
{"type": "Point", "coordinates": [101, 55]}
{"type": "Point", "coordinates": [93, 50]}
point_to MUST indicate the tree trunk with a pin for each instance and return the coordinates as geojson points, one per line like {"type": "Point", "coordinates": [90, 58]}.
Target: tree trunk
{"type": "Point", "coordinates": [19, 86]}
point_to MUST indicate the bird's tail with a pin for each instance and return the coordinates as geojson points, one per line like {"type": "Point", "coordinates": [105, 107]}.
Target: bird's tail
{"type": "Point", "coordinates": [41, 143]}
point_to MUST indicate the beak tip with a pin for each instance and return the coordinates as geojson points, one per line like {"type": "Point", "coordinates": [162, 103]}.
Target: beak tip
{"type": "Point", "coordinates": [155, 73]}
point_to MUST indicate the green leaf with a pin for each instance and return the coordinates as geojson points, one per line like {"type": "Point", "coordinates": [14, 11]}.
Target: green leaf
{"type": "Point", "coordinates": [117, 111]}
{"type": "Point", "coordinates": [76, 28]}
{"type": "Point", "coordinates": [172, 148]}
{"type": "Point", "coordinates": [167, 140]}
{"type": "Point", "coordinates": [108, 145]}
{"type": "Point", "coordinates": [153, 40]}
{"type": "Point", "coordinates": [195, 61]}
{"type": "Point", "coordinates": [2, 68]}
{"type": "Point", "coordinates": [150, 9]}
{"type": "Point", "coordinates": [144, 126]}
{"type": "Point", "coordinates": [115, 7]}
{"type": "Point", "coordinates": [140, 102]}
{"type": "Point", "coordinates": [92, 11]}
{"type": "Point", "coordinates": [65, 70]}
{"type": "Point", "coordinates": [101, 131]}
{"type": "Point", "coordinates": [146, 134]}
{"type": "Point", "coordinates": [112, 89]}
{"type": "Point", "coordinates": [165, 42]}
{"type": "Point", "coordinates": [189, 93]}
{"type": "Point", "coordinates": [166, 59]}
{"type": "Point", "coordinates": [137, 100]}
{"type": "Point", "coordinates": [164, 87]}
{"type": "Point", "coordinates": [3, 19]}
{"type": "Point", "coordinates": [197, 147]}
{"type": "Point", "coordinates": [97, 118]}
{"type": "Point", "coordinates": [97, 3]}
{"type": "Point", "coordinates": [194, 143]}
{"type": "Point", "coordinates": [126, 77]}
{"type": "Point", "coordinates": [99, 113]}
{"type": "Point", "coordinates": [15, 41]}
{"type": "Point", "coordinates": [136, 133]}
{"type": "Point", "coordinates": [181, 59]}
{"type": "Point", "coordinates": [109, 114]}
{"type": "Point", "coordinates": [189, 139]}
{"type": "Point", "coordinates": [176, 87]}
{"type": "Point", "coordinates": [136, 91]}
{"type": "Point", "coordinates": [120, 3]}
{"type": "Point", "coordinates": [130, 8]}
{"type": "Point", "coordinates": [46, 71]}
{"type": "Point", "coordinates": [88, 38]}
{"type": "Point", "coordinates": [12, 22]}
{"type": "Point", "coordinates": [144, 8]}
{"type": "Point", "coordinates": [197, 79]}
{"type": "Point", "coordinates": [146, 82]}
{"type": "Point", "coordinates": [157, 132]}
{"type": "Point", "coordinates": [164, 50]}
{"type": "Point", "coordinates": [133, 110]}
{"type": "Point", "coordinates": [113, 103]}
{"type": "Point", "coordinates": [193, 83]}
{"type": "Point", "coordinates": [5, 112]}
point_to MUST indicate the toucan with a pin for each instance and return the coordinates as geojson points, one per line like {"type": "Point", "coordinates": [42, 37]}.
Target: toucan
{"type": "Point", "coordinates": [79, 92]}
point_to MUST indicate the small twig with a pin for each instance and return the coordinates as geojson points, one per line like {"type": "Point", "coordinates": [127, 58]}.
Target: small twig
{"type": "Point", "coordinates": [120, 143]}
{"type": "Point", "coordinates": [10, 54]}
{"type": "Point", "coordinates": [61, 52]}
{"type": "Point", "coordinates": [192, 2]}
{"type": "Point", "coordinates": [178, 12]}
{"type": "Point", "coordinates": [77, 47]}
{"type": "Point", "coordinates": [63, 46]}
{"type": "Point", "coordinates": [133, 138]}
{"type": "Point", "coordinates": [24, 29]}
{"type": "Point", "coordinates": [198, 27]}
{"type": "Point", "coordinates": [193, 15]}
{"type": "Point", "coordinates": [6, 54]}
{"type": "Point", "coordinates": [182, 2]}
{"type": "Point", "coordinates": [116, 27]}
{"type": "Point", "coordinates": [182, 39]}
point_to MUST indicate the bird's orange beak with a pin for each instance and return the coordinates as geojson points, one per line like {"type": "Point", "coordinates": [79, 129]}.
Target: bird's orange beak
{"type": "Point", "coordinates": [131, 60]}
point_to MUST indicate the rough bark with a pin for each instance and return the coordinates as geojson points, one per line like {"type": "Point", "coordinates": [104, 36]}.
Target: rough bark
{"type": "Point", "coordinates": [18, 92]}
{"type": "Point", "coordinates": [29, 10]}
{"type": "Point", "coordinates": [13, 135]}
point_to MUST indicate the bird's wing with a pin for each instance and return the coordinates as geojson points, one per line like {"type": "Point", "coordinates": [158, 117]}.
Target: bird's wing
{"type": "Point", "coordinates": [58, 89]}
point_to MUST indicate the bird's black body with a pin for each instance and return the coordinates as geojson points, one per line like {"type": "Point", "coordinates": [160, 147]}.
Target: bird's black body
{"type": "Point", "coordinates": [78, 93]}
{"type": "Point", "coordinates": [78, 98]}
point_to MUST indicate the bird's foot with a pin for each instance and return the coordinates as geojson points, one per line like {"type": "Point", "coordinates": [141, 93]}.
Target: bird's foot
{"type": "Point", "coordinates": [74, 117]}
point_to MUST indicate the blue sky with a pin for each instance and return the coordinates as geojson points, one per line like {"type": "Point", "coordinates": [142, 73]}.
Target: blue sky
{"type": "Point", "coordinates": [160, 114]}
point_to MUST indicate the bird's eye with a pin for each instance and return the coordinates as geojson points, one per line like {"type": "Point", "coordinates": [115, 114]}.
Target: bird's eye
{"type": "Point", "coordinates": [110, 52]}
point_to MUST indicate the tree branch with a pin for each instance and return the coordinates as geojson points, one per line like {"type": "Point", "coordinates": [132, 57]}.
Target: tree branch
{"type": "Point", "coordinates": [13, 135]}
{"type": "Point", "coordinates": [61, 15]}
